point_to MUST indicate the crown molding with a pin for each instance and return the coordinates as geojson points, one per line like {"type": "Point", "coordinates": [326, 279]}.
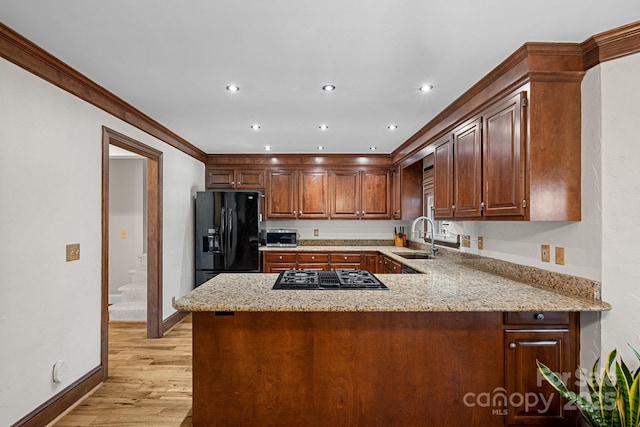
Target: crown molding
{"type": "Point", "coordinates": [25, 54]}
{"type": "Point", "coordinates": [612, 44]}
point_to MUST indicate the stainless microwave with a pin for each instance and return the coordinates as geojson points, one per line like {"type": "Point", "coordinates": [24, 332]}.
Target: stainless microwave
{"type": "Point", "coordinates": [281, 238]}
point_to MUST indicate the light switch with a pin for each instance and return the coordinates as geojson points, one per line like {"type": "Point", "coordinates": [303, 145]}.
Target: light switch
{"type": "Point", "coordinates": [123, 234]}
{"type": "Point", "coordinates": [480, 243]}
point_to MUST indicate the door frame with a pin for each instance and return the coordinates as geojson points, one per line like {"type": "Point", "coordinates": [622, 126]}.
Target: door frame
{"type": "Point", "coordinates": [154, 233]}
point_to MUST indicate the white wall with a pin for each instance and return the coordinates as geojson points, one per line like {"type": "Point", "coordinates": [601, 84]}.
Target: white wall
{"type": "Point", "coordinates": [340, 229]}
{"type": "Point", "coordinates": [621, 204]}
{"type": "Point", "coordinates": [50, 195]}
{"type": "Point", "coordinates": [126, 206]}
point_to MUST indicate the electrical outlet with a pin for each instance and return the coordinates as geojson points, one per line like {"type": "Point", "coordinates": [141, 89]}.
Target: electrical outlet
{"type": "Point", "coordinates": [480, 243]}
{"type": "Point", "coordinates": [73, 252]}
{"type": "Point", "coordinates": [560, 256]}
{"type": "Point", "coordinates": [316, 232]}
{"type": "Point", "coordinates": [123, 234]}
{"type": "Point", "coordinates": [545, 253]}
{"type": "Point", "coordinates": [466, 241]}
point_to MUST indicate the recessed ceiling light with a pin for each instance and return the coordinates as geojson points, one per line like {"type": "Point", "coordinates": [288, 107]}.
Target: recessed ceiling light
{"type": "Point", "coordinates": [329, 88]}
{"type": "Point", "coordinates": [320, 147]}
{"type": "Point", "coordinates": [323, 127]}
{"type": "Point", "coordinates": [392, 127]}
{"type": "Point", "coordinates": [255, 127]}
{"type": "Point", "coordinates": [267, 148]}
{"type": "Point", "coordinates": [233, 88]}
{"type": "Point", "coordinates": [373, 148]}
{"type": "Point", "coordinates": [425, 88]}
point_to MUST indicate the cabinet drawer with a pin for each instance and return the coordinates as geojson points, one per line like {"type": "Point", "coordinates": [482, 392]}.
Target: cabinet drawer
{"type": "Point", "coordinates": [313, 257]}
{"type": "Point", "coordinates": [537, 318]}
{"type": "Point", "coordinates": [346, 266]}
{"type": "Point", "coordinates": [346, 258]}
{"type": "Point", "coordinates": [280, 257]}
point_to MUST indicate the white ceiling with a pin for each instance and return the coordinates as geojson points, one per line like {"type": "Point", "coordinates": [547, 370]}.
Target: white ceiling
{"type": "Point", "coordinates": [173, 59]}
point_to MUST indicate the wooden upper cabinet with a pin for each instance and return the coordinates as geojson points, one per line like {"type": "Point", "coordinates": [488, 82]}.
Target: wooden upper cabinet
{"type": "Point", "coordinates": [313, 198]}
{"type": "Point", "coordinates": [396, 177]}
{"type": "Point", "coordinates": [503, 156]}
{"type": "Point", "coordinates": [376, 194]}
{"type": "Point", "coordinates": [249, 179]}
{"type": "Point", "coordinates": [361, 194]}
{"type": "Point", "coordinates": [480, 168]}
{"type": "Point", "coordinates": [443, 178]}
{"type": "Point", "coordinates": [238, 179]}
{"type": "Point", "coordinates": [219, 179]}
{"type": "Point", "coordinates": [467, 170]}
{"type": "Point", "coordinates": [282, 194]}
{"type": "Point", "coordinates": [345, 194]}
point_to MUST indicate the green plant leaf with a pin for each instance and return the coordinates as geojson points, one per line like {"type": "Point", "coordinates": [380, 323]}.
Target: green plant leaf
{"type": "Point", "coordinates": [622, 398]}
{"type": "Point", "coordinates": [585, 407]}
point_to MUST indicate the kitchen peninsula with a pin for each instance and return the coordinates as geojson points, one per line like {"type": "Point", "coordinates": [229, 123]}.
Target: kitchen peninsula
{"type": "Point", "coordinates": [447, 347]}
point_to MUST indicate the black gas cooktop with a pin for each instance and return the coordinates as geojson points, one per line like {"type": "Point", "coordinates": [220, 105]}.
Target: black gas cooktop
{"type": "Point", "coordinates": [323, 280]}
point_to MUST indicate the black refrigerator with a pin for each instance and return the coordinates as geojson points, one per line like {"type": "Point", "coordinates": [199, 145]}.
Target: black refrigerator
{"type": "Point", "coordinates": [227, 233]}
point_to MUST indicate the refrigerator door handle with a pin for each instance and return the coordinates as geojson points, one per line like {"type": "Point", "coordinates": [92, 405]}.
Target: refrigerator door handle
{"type": "Point", "coordinates": [230, 254]}
{"type": "Point", "coordinates": [223, 229]}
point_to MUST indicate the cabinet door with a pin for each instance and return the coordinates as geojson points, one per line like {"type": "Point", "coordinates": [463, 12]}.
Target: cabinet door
{"type": "Point", "coordinates": [376, 194]}
{"type": "Point", "coordinates": [219, 179]}
{"type": "Point", "coordinates": [370, 262]}
{"type": "Point", "coordinates": [313, 198]}
{"type": "Point", "coordinates": [443, 179]}
{"type": "Point", "coordinates": [249, 179]}
{"type": "Point", "coordinates": [397, 193]}
{"type": "Point", "coordinates": [504, 138]}
{"type": "Point", "coordinates": [282, 194]}
{"type": "Point", "coordinates": [467, 170]}
{"type": "Point", "coordinates": [345, 194]}
{"type": "Point", "coordinates": [530, 399]}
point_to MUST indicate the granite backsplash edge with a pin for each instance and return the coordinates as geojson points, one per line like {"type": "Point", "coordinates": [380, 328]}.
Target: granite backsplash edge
{"type": "Point", "coordinates": [559, 282]}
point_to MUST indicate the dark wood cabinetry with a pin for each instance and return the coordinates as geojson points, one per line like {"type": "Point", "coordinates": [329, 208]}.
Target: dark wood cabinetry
{"type": "Point", "coordinates": [313, 198]}
{"type": "Point", "coordinates": [274, 262]}
{"type": "Point", "coordinates": [479, 168]}
{"type": "Point", "coordinates": [467, 170]}
{"type": "Point", "coordinates": [360, 194]}
{"type": "Point", "coordinates": [552, 339]}
{"type": "Point", "coordinates": [396, 178]}
{"type": "Point", "coordinates": [390, 266]}
{"type": "Point", "coordinates": [503, 153]}
{"type": "Point", "coordinates": [293, 194]}
{"type": "Point", "coordinates": [234, 179]}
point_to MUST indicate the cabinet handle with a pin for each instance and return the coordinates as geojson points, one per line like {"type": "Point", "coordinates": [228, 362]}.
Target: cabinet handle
{"type": "Point", "coordinates": [357, 213]}
{"type": "Point", "coordinates": [313, 257]}
{"type": "Point", "coordinates": [512, 346]}
{"type": "Point", "coordinates": [345, 258]}
{"type": "Point", "coordinates": [539, 316]}
{"type": "Point", "coordinates": [280, 256]}
{"type": "Point", "coordinates": [453, 207]}
{"type": "Point", "coordinates": [233, 183]}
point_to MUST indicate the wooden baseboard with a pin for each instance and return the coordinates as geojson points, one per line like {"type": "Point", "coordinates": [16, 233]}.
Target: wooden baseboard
{"type": "Point", "coordinates": [173, 320]}
{"type": "Point", "coordinates": [59, 403]}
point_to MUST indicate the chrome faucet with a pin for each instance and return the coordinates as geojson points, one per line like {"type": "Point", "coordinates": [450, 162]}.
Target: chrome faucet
{"type": "Point", "coordinates": [424, 232]}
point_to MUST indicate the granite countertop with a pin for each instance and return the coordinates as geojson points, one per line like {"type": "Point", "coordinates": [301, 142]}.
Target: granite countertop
{"type": "Point", "coordinates": [447, 283]}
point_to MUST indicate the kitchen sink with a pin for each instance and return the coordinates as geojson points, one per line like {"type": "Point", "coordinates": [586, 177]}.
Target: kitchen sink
{"type": "Point", "coordinates": [413, 255]}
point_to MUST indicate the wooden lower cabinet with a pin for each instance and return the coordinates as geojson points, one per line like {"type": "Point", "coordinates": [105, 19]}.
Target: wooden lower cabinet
{"type": "Point", "coordinates": [552, 339]}
{"type": "Point", "coordinates": [390, 266]}
{"type": "Point", "coordinates": [370, 368]}
{"type": "Point", "coordinates": [276, 262]}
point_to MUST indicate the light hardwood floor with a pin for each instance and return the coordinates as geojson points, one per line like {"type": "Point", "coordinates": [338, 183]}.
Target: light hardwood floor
{"type": "Point", "coordinates": [149, 381]}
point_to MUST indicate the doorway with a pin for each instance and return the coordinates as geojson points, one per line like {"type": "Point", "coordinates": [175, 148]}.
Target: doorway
{"type": "Point", "coordinates": [154, 233]}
